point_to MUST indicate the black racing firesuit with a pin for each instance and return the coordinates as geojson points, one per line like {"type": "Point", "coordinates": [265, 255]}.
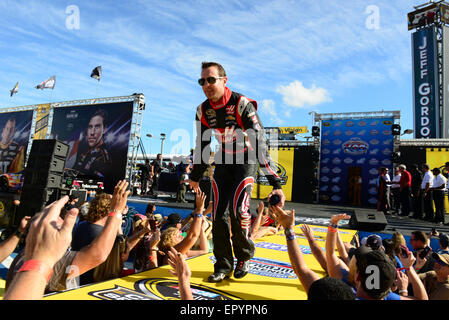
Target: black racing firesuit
{"type": "Point", "coordinates": [238, 129]}
{"type": "Point", "coordinates": [95, 161]}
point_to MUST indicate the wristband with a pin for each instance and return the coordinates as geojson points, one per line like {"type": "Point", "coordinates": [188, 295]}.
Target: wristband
{"type": "Point", "coordinates": [406, 269]}
{"type": "Point", "coordinates": [39, 267]}
{"type": "Point", "coordinates": [403, 291]}
{"type": "Point", "coordinates": [289, 232]}
{"type": "Point", "coordinates": [290, 236]}
{"type": "Point", "coordinates": [334, 226]}
{"type": "Point", "coordinates": [19, 234]}
{"type": "Point", "coordinates": [115, 214]}
{"type": "Point", "coordinates": [197, 215]}
{"type": "Point", "coordinates": [332, 229]}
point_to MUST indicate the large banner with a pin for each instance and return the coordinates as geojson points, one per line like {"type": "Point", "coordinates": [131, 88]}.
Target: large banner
{"type": "Point", "coordinates": [98, 136]}
{"type": "Point", "coordinates": [42, 116]}
{"type": "Point", "coordinates": [15, 134]}
{"type": "Point", "coordinates": [425, 84]}
{"type": "Point", "coordinates": [422, 17]}
{"type": "Point", "coordinates": [351, 153]}
{"type": "Point", "coordinates": [284, 169]}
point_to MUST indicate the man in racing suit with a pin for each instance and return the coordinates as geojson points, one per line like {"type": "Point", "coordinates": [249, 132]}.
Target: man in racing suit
{"type": "Point", "coordinates": [233, 119]}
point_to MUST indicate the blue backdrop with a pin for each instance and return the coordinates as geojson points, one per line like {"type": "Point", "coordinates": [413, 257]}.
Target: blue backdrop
{"type": "Point", "coordinates": [351, 152]}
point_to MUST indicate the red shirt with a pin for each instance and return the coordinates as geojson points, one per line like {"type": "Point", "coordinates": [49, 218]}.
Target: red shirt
{"type": "Point", "coordinates": [406, 179]}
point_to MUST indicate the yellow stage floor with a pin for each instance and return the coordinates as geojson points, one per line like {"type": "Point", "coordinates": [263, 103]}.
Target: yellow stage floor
{"type": "Point", "coordinates": [271, 277]}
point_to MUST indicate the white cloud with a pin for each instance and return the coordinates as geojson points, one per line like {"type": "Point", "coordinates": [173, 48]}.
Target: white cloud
{"type": "Point", "coordinates": [298, 96]}
{"type": "Point", "coordinates": [268, 107]}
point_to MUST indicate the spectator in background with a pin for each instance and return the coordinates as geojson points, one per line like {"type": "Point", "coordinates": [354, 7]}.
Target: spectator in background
{"type": "Point", "coordinates": [182, 170]}
{"type": "Point", "coordinates": [386, 278]}
{"type": "Point", "coordinates": [398, 240]}
{"type": "Point", "coordinates": [439, 185]}
{"type": "Point", "coordinates": [427, 193]}
{"type": "Point", "coordinates": [395, 191]}
{"type": "Point", "coordinates": [443, 240]}
{"type": "Point", "coordinates": [420, 245]}
{"type": "Point", "coordinates": [404, 189]}
{"type": "Point", "coordinates": [173, 220]}
{"type": "Point", "coordinates": [416, 191]}
{"type": "Point", "coordinates": [383, 191]}
{"type": "Point", "coordinates": [172, 237]}
{"type": "Point", "coordinates": [156, 168]}
{"type": "Point", "coordinates": [145, 173]}
{"type": "Point", "coordinates": [436, 282]}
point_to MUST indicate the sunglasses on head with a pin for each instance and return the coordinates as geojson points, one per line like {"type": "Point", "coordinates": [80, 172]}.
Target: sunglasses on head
{"type": "Point", "coordinates": [210, 80]}
{"type": "Point", "coordinates": [441, 263]}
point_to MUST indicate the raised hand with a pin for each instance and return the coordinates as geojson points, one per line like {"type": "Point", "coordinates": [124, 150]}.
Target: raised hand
{"type": "Point", "coordinates": [200, 198]}
{"type": "Point", "coordinates": [120, 196]}
{"type": "Point", "coordinates": [48, 239]}
{"type": "Point", "coordinates": [24, 224]}
{"type": "Point", "coordinates": [280, 193]}
{"type": "Point", "coordinates": [285, 218]}
{"type": "Point", "coordinates": [307, 231]}
{"type": "Point", "coordinates": [336, 218]}
{"type": "Point", "coordinates": [177, 262]}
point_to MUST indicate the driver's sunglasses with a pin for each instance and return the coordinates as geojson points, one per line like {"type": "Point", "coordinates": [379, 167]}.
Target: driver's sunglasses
{"type": "Point", "coordinates": [210, 80]}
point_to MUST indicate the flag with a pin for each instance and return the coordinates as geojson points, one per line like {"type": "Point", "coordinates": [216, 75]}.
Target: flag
{"type": "Point", "coordinates": [47, 84]}
{"type": "Point", "coordinates": [15, 89]}
{"type": "Point", "coordinates": [96, 73]}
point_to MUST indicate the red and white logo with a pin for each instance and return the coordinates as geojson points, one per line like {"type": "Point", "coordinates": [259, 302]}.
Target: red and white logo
{"type": "Point", "coordinates": [230, 109]}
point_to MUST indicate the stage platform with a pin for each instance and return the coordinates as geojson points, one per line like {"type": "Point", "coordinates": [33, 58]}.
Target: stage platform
{"type": "Point", "coordinates": [316, 214]}
{"type": "Point", "coordinates": [271, 277]}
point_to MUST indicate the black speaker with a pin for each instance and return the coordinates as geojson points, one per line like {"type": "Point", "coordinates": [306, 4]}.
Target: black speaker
{"type": "Point", "coordinates": [315, 131]}
{"type": "Point", "coordinates": [396, 129]}
{"type": "Point", "coordinates": [168, 182]}
{"type": "Point", "coordinates": [367, 221]}
{"type": "Point", "coordinates": [315, 155]}
{"type": "Point", "coordinates": [396, 157]}
{"type": "Point", "coordinates": [42, 181]}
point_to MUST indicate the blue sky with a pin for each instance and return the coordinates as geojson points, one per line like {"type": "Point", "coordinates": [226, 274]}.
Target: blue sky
{"type": "Point", "coordinates": [293, 57]}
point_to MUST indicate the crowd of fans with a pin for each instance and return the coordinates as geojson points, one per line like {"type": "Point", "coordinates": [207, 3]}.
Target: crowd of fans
{"type": "Point", "coordinates": [420, 190]}
{"type": "Point", "coordinates": [65, 249]}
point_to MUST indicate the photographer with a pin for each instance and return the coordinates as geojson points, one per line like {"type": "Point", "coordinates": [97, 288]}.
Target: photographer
{"type": "Point", "coordinates": [69, 265]}
{"type": "Point", "coordinates": [421, 248]}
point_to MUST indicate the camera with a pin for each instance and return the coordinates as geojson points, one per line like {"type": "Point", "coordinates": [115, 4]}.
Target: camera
{"type": "Point", "coordinates": [274, 200]}
{"type": "Point", "coordinates": [404, 251]}
{"type": "Point", "coordinates": [424, 252]}
{"type": "Point", "coordinates": [152, 224]}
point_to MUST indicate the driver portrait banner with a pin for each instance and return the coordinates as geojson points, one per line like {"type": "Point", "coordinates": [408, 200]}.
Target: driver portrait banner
{"type": "Point", "coordinates": [15, 134]}
{"type": "Point", "coordinates": [98, 138]}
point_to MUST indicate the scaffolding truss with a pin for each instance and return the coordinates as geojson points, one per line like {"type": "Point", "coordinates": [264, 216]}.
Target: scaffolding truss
{"type": "Point", "coordinates": [136, 121]}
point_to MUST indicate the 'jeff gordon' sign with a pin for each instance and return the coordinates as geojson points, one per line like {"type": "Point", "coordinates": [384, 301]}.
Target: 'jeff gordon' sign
{"type": "Point", "coordinates": [425, 84]}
